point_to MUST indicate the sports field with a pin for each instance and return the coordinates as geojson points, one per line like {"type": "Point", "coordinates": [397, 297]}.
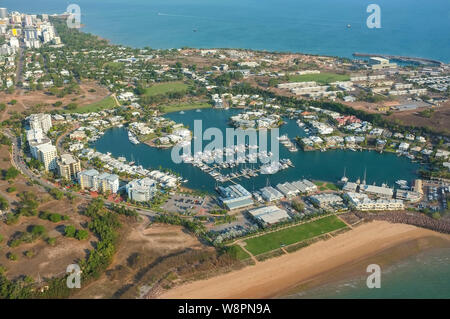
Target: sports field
{"type": "Point", "coordinates": [184, 107]}
{"type": "Point", "coordinates": [291, 235]}
{"type": "Point", "coordinates": [106, 103]}
{"type": "Point", "coordinates": [163, 88]}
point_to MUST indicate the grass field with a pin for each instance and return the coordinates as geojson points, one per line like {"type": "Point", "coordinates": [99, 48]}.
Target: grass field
{"type": "Point", "coordinates": [238, 252]}
{"type": "Point", "coordinates": [326, 186]}
{"type": "Point", "coordinates": [163, 88]}
{"type": "Point", "coordinates": [288, 236]}
{"type": "Point", "coordinates": [106, 103]}
{"type": "Point", "coordinates": [322, 78]}
{"type": "Point", "coordinates": [185, 107]}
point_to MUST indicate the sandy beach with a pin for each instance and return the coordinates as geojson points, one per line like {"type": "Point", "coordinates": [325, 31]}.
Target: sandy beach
{"type": "Point", "coordinates": [321, 262]}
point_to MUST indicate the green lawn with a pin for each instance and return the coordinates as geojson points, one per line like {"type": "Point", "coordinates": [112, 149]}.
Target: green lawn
{"type": "Point", "coordinates": [163, 88]}
{"type": "Point", "coordinates": [288, 236]}
{"type": "Point", "coordinates": [322, 78]}
{"type": "Point", "coordinates": [106, 103]}
{"type": "Point", "coordinates": [237, 252]}
{"type": "Point", "coordinates": [184, 107]}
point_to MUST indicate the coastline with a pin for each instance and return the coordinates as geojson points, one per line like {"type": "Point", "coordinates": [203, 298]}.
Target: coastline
{"type": "Point", "coordinates": [323, 262]}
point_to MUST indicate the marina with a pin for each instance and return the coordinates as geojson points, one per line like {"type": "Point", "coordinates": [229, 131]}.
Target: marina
{"type": "Point", "coordinates": [204, 174]}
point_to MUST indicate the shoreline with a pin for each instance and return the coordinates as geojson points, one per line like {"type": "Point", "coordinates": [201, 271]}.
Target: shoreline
{"type": "Point", "coordinates": [344, 256]}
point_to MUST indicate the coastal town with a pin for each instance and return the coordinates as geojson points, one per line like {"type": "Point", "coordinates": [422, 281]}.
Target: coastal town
{"type": "Point", "coordinates": [63, 91]}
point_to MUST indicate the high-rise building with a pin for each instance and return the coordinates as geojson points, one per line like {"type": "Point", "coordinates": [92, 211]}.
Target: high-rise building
{"type": "Point", "coordinates": [141, 190]}
{"type": "Point", "coordinates": [88, 179]}
{"type": "Point", "coordinates": [40, 121]}
{"type": "Point", "coordinates": [16, 18]}
{"type": "Point", "coordinates": [100, 182]}
{"type": "Point", "coordinates": [14, 42]}
{"type": "Point", "coordinates": [47, 154]}
{"type": "Point", "coordinates": [28, 21]}
{"type": "Point", "coordinates": [68, 166]}
{"type": "Point", "coordinates": [35, 139]}
{"type": "Point", "coordinates": [108, 183]}
{"type": "Point", "coordinates": [3, 13]}
{"type": "Point", "coordinates": [30, 34]}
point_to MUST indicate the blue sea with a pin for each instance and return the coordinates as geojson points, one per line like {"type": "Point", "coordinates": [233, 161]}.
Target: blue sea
{"type": "Point", "coordinates": [408, 27]}
{"type": "Point", "coordinates": [423, 276]}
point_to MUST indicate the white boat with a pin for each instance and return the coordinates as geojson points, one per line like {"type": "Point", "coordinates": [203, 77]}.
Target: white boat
{"type": "Point", "coordinates": [270, 169]}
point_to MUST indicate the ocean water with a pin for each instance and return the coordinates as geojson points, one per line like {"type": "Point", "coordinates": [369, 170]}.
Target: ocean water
{"type": "Point", "coordinates": [408, 27]}
{"type": "Point", "coordinates": [424, 276]}
{"type": "Point", "coordinates": [328, 166]}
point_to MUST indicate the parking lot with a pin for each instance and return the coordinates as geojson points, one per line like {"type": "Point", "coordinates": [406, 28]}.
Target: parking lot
{"type": "Point", "coordinates": [436, 196]}
{"type": "Point", "coordinates": [185, 204]}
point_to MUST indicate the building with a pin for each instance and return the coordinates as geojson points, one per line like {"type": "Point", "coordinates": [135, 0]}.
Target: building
{"type": "Point", "coordinates": [141, 190]}
{"type": "Point", "coordinates": [269, 215]}
{"type": "Point", "coordinates": [3, 13]}
{"type": "Point", "coordinates": [362, 202]}
{"type": "Point", "coordinates": [270, 194]}
{"type": "Point", "coordinates": [235, 197]}
{"type": "Point", "coordinates": [68, 166]}
{"type": "Point", "coordinates": [326, 200]}
{"type": "Point", "coordinates": [103, 182]}
{"type": "Point", "coordinates": [288, 190]}
{"type": "Point", "coordinates": [40, 121]}
{"type": "Point", "coordinates": [47, 154]}
{"type": "Point", "coordinates": [377, 63]}
{"type": "Point", "coordinates": [380, 191]}
{"type": "Point", "coordinates": [407, 195]}
{"type": "Point", "coordinates": [304, 186]}
{"type": "Point", "coordinates": [88, 179]}
{"type": "Point", "coordinates": [35, 139]}
{"type": "Point", "coordinates": [108, 183]}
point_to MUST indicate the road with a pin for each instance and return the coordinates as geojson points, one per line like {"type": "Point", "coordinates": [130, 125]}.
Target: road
{"type": "Point", "coordinates": [18, 163]}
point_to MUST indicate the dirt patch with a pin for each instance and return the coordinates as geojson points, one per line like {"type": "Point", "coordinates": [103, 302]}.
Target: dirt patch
{"type": "Point", "coordinates": [39, 101]}
{"type": "Point", "coordinates": [142, 247]}
{"type": "Point", "coordinates": [439, 120]}
{"type": "Point", "coordinates": [47, 261]}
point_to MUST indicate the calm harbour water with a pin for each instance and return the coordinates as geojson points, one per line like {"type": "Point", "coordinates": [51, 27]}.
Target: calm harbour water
{"type": "Point", "coordinates": [408, 27]}
{"type": "Point", "coordinates": [328, 166]}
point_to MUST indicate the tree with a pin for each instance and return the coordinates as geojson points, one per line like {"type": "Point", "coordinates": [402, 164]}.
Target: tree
{"type": "Point", "coordinates": [10, 173]}
{"type": "Point", "coordinates": [82, 234]}
{"type": "Point", "coordinates": [56, 193]}
{"type": "Point", "coordinates": [69, 231]}
{"type": "Point", "coordinates": [12, 256]}
{"type": "Point", "coordinates": [3, 204]}
{"type": "Point", "coordinates": [56, 218]}
{"type": "Point", "coordinates": [298, 206]}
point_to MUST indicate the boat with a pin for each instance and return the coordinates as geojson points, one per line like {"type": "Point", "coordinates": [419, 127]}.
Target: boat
{"type": "Point", "coordinates": [181, 112]}
{"type": "Point", "coordinates": [402, 184]}
{"type": "Point", "coordinates": [283, 138]}
{"type": "Point", "coordinates": [300, 123]}
{"type": "Point", "coordinates": [270, 169]}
